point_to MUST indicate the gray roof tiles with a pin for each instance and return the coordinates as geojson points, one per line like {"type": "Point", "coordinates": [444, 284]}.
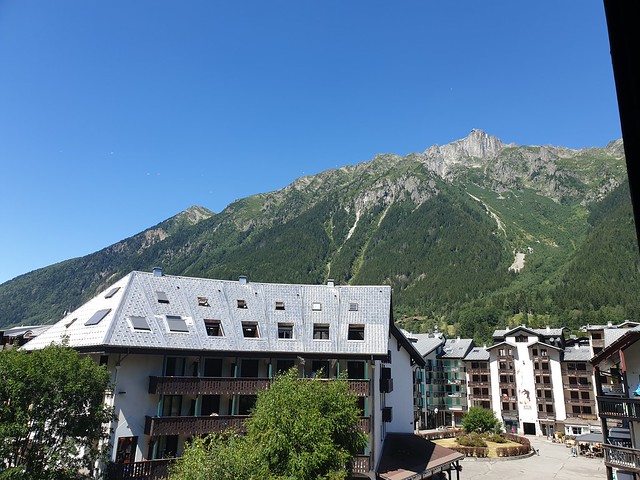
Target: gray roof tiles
{"type": "Point", "coordinates": [477, 354]}
{"type": "Point", "coordinates": [457, 347]}
{"type": "Point", "coordinates": [580, 354]}
{"type": "Point", "coordinates": [137, 297]}
{"type": "Point", "coordinates": [427, 342]}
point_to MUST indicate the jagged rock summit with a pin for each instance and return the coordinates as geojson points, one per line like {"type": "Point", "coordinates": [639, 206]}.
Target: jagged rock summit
{"type": "Point", "coordinates": [471, 151]}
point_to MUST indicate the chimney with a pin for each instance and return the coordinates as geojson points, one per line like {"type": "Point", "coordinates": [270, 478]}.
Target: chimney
{"type": "Point", "coordinates": [157, 271]}
{"type": "Point", "coordinates": [609, 324]}
{"type": "Point", "coordinates": [331, 282]}
{"type": "Point", "coordinates": [243, 280]}
{"type": "Point", "coordinates": [548, 328]}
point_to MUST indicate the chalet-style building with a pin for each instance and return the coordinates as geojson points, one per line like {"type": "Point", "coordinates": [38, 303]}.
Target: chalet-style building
{"type": "Point", "coordinates": [188, 355]}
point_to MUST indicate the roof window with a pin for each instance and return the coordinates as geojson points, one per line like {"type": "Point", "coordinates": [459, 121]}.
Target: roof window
{"type": "Point", "coordinates": [139, 323]}
{"type": "Point", "coordinates": [316, 307]}
{"type": "Point", "coordinates": [353, 307]}
{"type": "Point", "coordinates": [177, 324]}
{"type": "Point", "coordinates": [250, 330]}
{"type": "Point", "coordinates": [285, 330]}
{"type": "Point", "coordinates": [320, 331]}
{"type": "Point", "coordinates": [162, 297]}
{"type": "Point", "coordinates": [213, 327]}
{"type": "Point", "coordinates": [112, 292]}
{"type": "Point", "coordinates": [279, 305]}
{"type": "Point", "coordinates": [356, 332]}
{"type": "Point", "coordinates": [97, 317]}
{"type": "Point", "coordinates": [203, 302]}
{"type": "Point", "coordinates": [242, 303]}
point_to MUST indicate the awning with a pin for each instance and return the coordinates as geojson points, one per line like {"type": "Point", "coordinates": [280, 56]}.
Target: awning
{"type": "Point", "coordinates": [590, 438]}
{"type": "Point", "coordinates": [406, 456]}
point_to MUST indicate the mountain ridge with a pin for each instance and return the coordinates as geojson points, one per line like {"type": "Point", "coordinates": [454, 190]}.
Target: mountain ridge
{"type": "Point", "coordinates": [442, 227]}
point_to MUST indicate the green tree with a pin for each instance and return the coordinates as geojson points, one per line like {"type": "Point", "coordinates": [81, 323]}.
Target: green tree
{"type": "Point", "coordinates": [51, 413]}
{"type": "Point", "coordinates": [480, 420]}
{"type": "Point", "coordinates": [299, 429]}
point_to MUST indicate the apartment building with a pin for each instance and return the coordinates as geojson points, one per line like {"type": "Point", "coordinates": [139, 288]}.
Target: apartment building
{"type": "Point", "coordinates": [478, 377]}
{"type": "Point", "coordinates": [188, 355]}
{"type": "Point", "coordinates": [617, 377]}
{"type": "Point", "coordinates": [431, 381]}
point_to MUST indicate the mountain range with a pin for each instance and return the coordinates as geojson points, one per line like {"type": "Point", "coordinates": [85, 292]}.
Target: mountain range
{"type": "Point", "coordinates": [470, 235]}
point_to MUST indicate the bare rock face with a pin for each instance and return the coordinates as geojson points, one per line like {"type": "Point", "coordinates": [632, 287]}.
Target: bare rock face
{"type": "Point", "coordinates": [472, 151]}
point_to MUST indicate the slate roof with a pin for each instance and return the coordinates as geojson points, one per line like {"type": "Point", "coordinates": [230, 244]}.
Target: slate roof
{"type": "Point", "coordinates": [580, 354]}
{"type": "Point", "coordinates": [612, 334]}
{"type": "Point", "coordinates": [427, 342]}
{"type": "Point", "coordinates": [538, 331]}
{"type": "Point", "coordinates": [165, 312]}
{"type": "Point", "coordinates": [477, 354]}
{"type": "Point", "coordinates": [456, 347]}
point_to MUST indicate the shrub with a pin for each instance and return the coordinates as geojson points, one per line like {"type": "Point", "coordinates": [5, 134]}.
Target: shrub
{"type": "Point", "coordinates": [495, 438]}
{"type": "Point", "coordinates": [480, 420]}
{"type": "Point", "coordinates": [471, 440]}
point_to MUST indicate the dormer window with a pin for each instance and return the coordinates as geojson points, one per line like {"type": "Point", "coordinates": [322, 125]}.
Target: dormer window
{"type": "Point", "coordinates": [242, 303]}
{"type": "Point", "coordinates": [320, 331]}
{"type": "Point", "coordinates": [522, 339]}
{"type": "Point", "coordinates": [356, 332]}
{"type": "Point", "coordinates": [250, 330]}
{"type": "Point", "coordinates": [353, 307]}
{"type": "Point", "coordinates": [279, 305]}
{"type": "Point", "coordinates": [316, 307]}
{"type": "Point", "coordinates": [285, 330]}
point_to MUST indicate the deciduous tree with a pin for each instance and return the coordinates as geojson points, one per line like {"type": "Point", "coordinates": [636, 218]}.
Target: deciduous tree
{"type": "Point", "coordinates": [51, 413]}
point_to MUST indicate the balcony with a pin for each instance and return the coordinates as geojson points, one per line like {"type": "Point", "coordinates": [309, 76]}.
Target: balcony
{"type": "Point", "coordinates": [156, 426]}
{"type": "Point", "coordinates": [361, 464]}
{"type": "Point", "coordinates": [478, 371]}
{"type": "Point", "coordinates": [578, 386]}
{"type": "Point", "coordinates": [544, 385]}
{"type": "Point", "coordinates": [622, 458]}
{"type": "Point", "coordinates": [547, 415]}
{"type": "Point", "coordinates": [147, 470]}
{"type": "Point", "coordinates": [226, 386]}
{"type": "Point", "coordinates": [623, 408]}
{"type": "Point", "coordinates": [585, 416]}
{"type": "Point", "coordinates": [479, 396]}
{"type": "Point", "coordinates": [478, 383]}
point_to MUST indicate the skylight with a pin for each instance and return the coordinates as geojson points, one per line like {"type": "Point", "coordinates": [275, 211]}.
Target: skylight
{"type": "Point", "coordinates": [177, 324]}
{"type": "Point", "coordinates": [139, 323]}
{"type": "Point", "coordinates": [97, 317]}
{"type": "Point", "coordinates": [112, 292]}
{"type": "Point", "coordinates": [162, 297]}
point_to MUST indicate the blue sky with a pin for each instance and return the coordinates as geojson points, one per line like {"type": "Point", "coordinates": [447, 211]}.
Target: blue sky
{"type": "Point", "coordinates": [116, 115]}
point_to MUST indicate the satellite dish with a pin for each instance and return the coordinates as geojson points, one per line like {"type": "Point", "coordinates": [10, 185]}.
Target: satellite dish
{"type": "Point", "coordinates": [435, 410]}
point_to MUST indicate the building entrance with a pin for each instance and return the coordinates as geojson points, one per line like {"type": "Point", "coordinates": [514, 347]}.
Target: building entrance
{"type": "Point", "coordinates": [529, 428]}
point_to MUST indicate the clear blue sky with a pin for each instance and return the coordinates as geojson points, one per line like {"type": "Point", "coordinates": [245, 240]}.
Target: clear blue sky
{"type": "Point", "coordinates": [115, 115]}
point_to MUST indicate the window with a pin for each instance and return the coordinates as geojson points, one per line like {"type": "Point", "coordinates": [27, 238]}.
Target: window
{"type": "Point", "coordinates": [575, 408]}
{"type": "Point", "coordinates": [213, 327]}
{"type": "Point", "coordinates": [203, 302]}
{"type": "Point", "coordinates": [285, 330]}
{"type": "Point", "coordinates": [283, 365]}
{"type": "Point", "coordinates": [581, 366]}
{"type": "Point", "coordinates": [574, 395]}
{"type": "Point", "coordinates": [177, 324]}
{"type": "Point", "coordinates": [356, 370]}
{"type": "Point", "coordinates": [543, 352]}
{"type": "Point", "coordinates": [316, 307]}
{"type": "Point", "coordinates": [139, 323]}
{"type": "Point", "coordinates": [501, 352]}
{"type": "Point", "coordinates": [320, 331]}
{"type": "Point", "coordinates": [279, 305]}
{"type": "Point", "coordinates": [242, 303]}
{"type": "Point", "coordinates": [212, 367]}
{"type": "Point", "coordinates": [534, 352]}
{"type": "Point", "coordinates": [353, 307]}
{"type": "Point", "coordinates": [97, 317]}
{"type": "Point", "coordinates": [586, 409]}
{"type": "Point", "coordinates": [547, 394]}
{"type": "Point", "coordinates": [174, 367]}
{"type": "Point", "coordinates": [585, 396]}
{"type": "Point", "coordinates": [356, 332]}
{"type": "Point", "coordinates": [545, 365]}
{"type": "Point", "coordinates": [522, 339]}
{"type": "Point", "coordinates": [162, 297]}
{"type": "Point", "coordinates": [171, 405]}
{"type": "Point", "coordinates": [549, 407]}
{"type": "Point", "coordinates": [250, 330]}
{"type": "Point", "coordinates": [596, 336]}
{"type": "Point", "coordinates": [250, 368]}
{"type": "Point", "coordinates": [112, 292]}
{"type": "Point", "coordinates": [571, 366]}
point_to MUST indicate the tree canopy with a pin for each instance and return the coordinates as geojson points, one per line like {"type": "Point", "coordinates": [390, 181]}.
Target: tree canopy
{"type": "Point", "coordinates": [299, 429]}
{"type": "Point", "coordinates": [480, 420]}
{"type": "Point", "coordinates": [51, 413]}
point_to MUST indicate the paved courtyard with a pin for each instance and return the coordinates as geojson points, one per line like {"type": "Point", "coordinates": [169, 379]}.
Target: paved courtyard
{"type": "Point", "coordinates": [554, 462]}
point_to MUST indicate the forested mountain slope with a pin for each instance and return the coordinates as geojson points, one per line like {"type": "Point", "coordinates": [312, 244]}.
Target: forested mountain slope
{"type": "Point", "coordinates": [475, 232]}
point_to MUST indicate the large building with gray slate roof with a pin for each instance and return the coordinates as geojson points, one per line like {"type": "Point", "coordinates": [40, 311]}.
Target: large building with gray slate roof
{"type": "Point", "coordinates": [188, 355]}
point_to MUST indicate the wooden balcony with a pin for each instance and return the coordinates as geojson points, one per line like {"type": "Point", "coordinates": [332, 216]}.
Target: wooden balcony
{"type": "Point", "coordinates": [624, 408]}
{"type": "Point", "coordinates": [479, 371]}
{"type": "Point", "coordinates": [226, 386]}
{"type": "Point", "coordinates": [578, 386]}
{"type": "Point", "coordinates": [147, 470]}
{"type": "Point", "coordinates": [479, 396]}
{"type": "Point", "coordinates": [547, 415]}
{"type": "Point", "coordinates": [585, 416]}
{"type": "Point", "coordinates": [622, 458]}
{"type": "Point", "coordinates": [157, 426]}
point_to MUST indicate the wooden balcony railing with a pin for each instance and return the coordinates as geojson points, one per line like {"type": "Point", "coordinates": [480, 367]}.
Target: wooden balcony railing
{"type": "Point", "coordinates": [578, 386]}
{"type": "Point", "coordinates": [188, 425]}
{"type": "Point", "coordinates": [612, 407]}
{"type": "Point", "coordinates": [621, 457]}
{"type": "Point", "coordinates": [148, 470]}
{"type": "Point", "coordinates": [547, 415]}
{"type": "Point", "coordinates": [585, 416]}
{"type": "Point", "coordinates": [226, 386]}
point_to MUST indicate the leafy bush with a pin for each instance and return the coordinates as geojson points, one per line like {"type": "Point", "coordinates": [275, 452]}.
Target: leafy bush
{"type": "Point", "coordinates": [471, 440]}
{"type": "Point", "coordinates": [495, 438]}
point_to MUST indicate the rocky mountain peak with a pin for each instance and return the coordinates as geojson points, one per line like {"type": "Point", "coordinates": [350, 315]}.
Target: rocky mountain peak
{"type": "Point", "coordinates": [470, 150]}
